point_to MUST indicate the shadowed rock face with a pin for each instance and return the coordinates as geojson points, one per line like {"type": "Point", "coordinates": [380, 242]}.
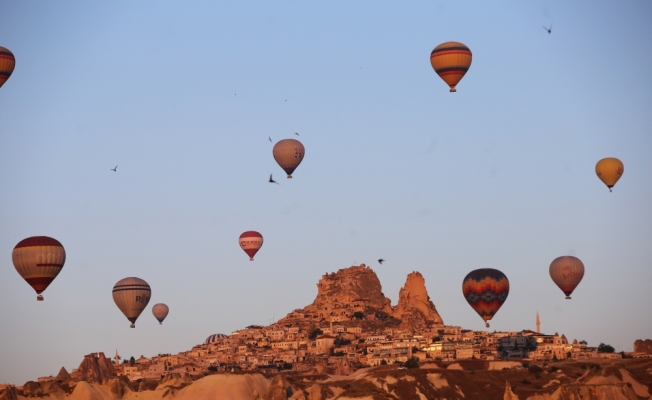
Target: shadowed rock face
{"type": "Point", "coordinates": [643, 346]}
{"type": "Point", "coordinates": [63, 375]}
{"type": "Point", "coordinates": [8, 394]}
{"type": "Point", "coordinates": [280, 389]}
{"type": "Point", "coordinates": [414, 307]}
{"type": "Point", "coordinates": [95, 368]}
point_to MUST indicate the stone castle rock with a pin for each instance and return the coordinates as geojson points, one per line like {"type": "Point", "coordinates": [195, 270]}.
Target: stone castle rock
{"type": "Point", "coordinates": [354, 295]}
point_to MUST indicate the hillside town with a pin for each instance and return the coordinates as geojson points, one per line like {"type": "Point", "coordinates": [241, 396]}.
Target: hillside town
{"type": "Point", "coordinates": [352, 325]}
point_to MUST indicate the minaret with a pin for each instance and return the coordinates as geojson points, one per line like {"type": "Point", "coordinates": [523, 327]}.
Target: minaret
{"type": "Point", "coordinates": [538, 323]}
{"type": "Point", "coordinates": [117, 358]}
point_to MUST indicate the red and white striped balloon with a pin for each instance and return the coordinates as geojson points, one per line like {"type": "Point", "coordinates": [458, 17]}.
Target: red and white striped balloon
{"type": "Point", "coordinates": [251, 242]}
{"type": "Point", "coordinates": [39, 259]}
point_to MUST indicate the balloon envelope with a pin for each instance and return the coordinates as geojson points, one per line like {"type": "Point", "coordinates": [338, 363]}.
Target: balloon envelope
{"type": "Point", "coordinates": [39, 259]}
{"type": "Point", "coordinates": [451, 61]}
{"type": "Point", "coordinates": [7, 64]}
{"type": "Point", "coordinates": [251, 242]}
{"type": "Point", "coordinates": [131, 295]}
{"type": "Point", "coordinates": [160, 311]}
{"type": "Point", "coordinates": [567, 272]}
{"type": "Point", "coordinates": [288, 153]}
{"type": "Point", "coordinates": [609, 170]}
{"type": "Point", "coordinates": [485, 290]}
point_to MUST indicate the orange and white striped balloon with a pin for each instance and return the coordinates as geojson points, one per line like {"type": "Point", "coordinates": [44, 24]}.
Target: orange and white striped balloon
{"type": "Point", "coordinates": [39, 259]}
{"type": "Point", "coordinates": [251, 242]}
{"type": "Point", "coordinates": [451, 61]}
{"type": "Point", "coordinates": [7, 64]}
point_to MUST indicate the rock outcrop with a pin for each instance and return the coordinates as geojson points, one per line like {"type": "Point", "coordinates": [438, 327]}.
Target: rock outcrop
{"type": "Point", "coordinates": [414, 307]}
{"type": "Point", "coordinates": [280, 389]}
{"type": "Point", "coordinates": [94, 368]}
{"type": "Point", "coordinates": [32, 389]}
{"type": "Point", "coordinates": [643, 346]}
{"type": "Point", "coordinates": [8, 393]}
{"type": "Point", "coordinates": [63, 375]}
{"type": "Point", "coordinates": [349, 285]}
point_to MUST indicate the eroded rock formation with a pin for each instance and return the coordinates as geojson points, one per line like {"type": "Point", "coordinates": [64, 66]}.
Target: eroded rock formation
{"type": "Point", "coordinates": [643, 346]}
{"type": "Point", "coordinates": [414, 307]}
{"type": "Point", "coordinates": [94, 368]}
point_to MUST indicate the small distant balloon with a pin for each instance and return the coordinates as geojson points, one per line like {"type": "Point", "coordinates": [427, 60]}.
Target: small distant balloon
{"type": "Point", "coordinates": [451, 61]}
{"type": "Point", "coordinates": [160, 311]}
{"type": "Point", "coordinates": [38, 259]}
{"type": "Point", "coordinates": [7, 64]}
{"type": "Point", "coordinates": [567, 272]}
{"type": "Point", "coordinates": [131, 295]}
{"type": "Point", "coordinates": [289, 153]}
{"type": "Point", "coordinates": [485, 290]}
{"type": "Point", "coordinates": [609, 170]}
{"type": "Point", "coordinates": [251, 242]}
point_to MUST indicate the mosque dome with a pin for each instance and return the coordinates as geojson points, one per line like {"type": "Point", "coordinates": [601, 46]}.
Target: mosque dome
{"type": "Point", "coordinates": [214, 338]}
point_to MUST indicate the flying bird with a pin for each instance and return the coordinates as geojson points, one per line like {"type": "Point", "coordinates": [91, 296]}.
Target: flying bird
{"type": "Point", "coordinates": [270, 138]}
{"type": "Point", "coordinates": [548, 29]}
{"type": "Point", "coordinates": [272, 180]}
{"type": "Point", "coordinates": [114, 169]}
{"type": "Point", "coordinates": [380, 261]}
{"type": "Point", "coordinates": [296, 133]}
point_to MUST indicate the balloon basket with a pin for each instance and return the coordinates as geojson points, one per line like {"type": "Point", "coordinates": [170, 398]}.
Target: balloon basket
{"type": "Point", "coordinates": [487, 324]}
{"type": "Point", "coordinates": [251, 259]}
{"type": "Point", "coordinates": [568, 297]}
{"type": "Point", "coordinates": [289, 176]}
{"type": "Point", "coordinates": [39, 298]}
{"type": "Point", "coordinates": [453, 90]}
{"type": "Point", "coordinates": [132, 326]}
{"type": "Point", "coordinates": [160, 323]}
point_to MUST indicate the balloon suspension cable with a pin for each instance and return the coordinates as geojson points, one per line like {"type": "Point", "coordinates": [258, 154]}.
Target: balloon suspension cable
{"type": "Point", "coordinates": [39, 297]}
{"type": "Point", "coordinates": [132, 326]}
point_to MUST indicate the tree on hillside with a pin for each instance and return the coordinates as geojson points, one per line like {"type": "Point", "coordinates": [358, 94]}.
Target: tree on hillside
{"type": "Point", "coordinates": [132, 360]}
{"type": "Point", "coordinates": [315, 333]}
{"type": "Point", "coordinates": [412, 363]}
{"type": "Point", "coordinates": [605, 348]}
{"type": "Point", "coordinates": [584, 342]}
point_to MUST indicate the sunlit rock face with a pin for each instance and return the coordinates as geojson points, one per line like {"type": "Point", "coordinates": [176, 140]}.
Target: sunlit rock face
{"type": "Point", "coordinates": [95, 368]}
{"type": "Point", "coordinates": [349, 285]}
{"type": "Point", "coordinates": [414, 307]}
{"type": "Point", "coordinates": [643, 346]}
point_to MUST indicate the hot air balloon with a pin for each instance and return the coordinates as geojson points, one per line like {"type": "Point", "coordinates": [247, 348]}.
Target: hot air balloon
{"type": "Point", "coordinates": [450, 61]}
{"type": "Point", "coordinates": [7, 64]}
{"type": "Point", "coordinates": [131, 295]}
{"type": "Point", "coordinates": [609, 170]}
{"type": "Point", "coordinates": [288, 153]}
{"type": "Point", "coordinates": [567, 272]}
{"type": "Point", "coordinates": [38, 259]}
{"type": "Point", "coordinates": [486, 290]}
{"type": "Point", "coordinates": [160, 311]}
{"type": "Point", "coordinates": [251, 242]}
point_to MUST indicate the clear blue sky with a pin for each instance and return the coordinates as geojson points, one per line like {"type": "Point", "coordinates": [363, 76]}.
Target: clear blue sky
{"type": "Point", "coordinates": [182, 97]}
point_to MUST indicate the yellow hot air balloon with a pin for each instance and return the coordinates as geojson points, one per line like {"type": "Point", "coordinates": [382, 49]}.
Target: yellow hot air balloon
{"type": "Point", "coordinates": [7, 64]}
{"type": "Point", "coordinates": [131, 295]}
{"type": "Point", "coordinates": [609, 170]}
{"type": "Point", "coordinates": [39, 259]}
{"type": "Point", "coordinates": [450, 61]}
{"type": "Point", "coordinates": [288, 153]}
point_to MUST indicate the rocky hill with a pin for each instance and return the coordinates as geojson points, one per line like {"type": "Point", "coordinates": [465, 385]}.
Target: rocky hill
{"type": "Point", "coordinates": [643, 346]}
{"type": "Point", "coordinates": [353, 297]}
{"type": "Point", "coordinates": [598, 379]}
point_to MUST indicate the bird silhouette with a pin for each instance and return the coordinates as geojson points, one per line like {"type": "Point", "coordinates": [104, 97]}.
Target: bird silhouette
{"type": "Point", "coordinates": [548, 29]}
{"type": "Point", "coordinates": [380, 261]}
{"type": "Point", "coordinates": [272, 180]}
{"type": "Point", "coordinates": [296, 133]}
{"type": "Point", "coordinates": [270, 138]}
{"type": "Point", "coordinates": [114, 169]}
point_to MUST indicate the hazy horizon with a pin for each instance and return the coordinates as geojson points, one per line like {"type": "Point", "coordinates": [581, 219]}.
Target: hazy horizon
{"type": "Point", "coordinates": [183, 98]}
